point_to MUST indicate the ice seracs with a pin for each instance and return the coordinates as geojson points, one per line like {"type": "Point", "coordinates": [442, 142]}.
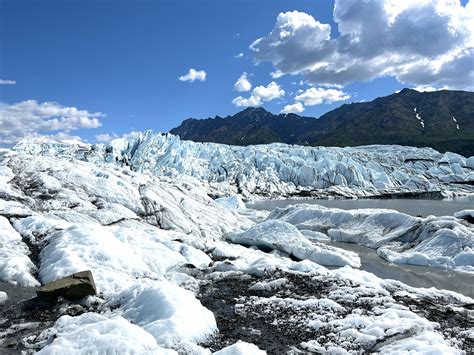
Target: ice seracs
{"type": "Point", "coordinates": [278, 169]}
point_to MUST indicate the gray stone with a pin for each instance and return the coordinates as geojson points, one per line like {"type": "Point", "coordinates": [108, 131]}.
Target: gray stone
{"type": "Point", "coordinates": [73, 287]}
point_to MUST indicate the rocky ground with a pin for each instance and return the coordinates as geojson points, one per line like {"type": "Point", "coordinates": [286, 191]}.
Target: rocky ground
{"type": "Point", "coordinates": [288, 305]}
{"type": "Point", "coordinates": [25, 316]}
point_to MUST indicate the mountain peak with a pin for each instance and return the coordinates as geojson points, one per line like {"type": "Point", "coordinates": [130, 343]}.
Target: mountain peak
{"type": "Point", "coordinates": [445, 124]}
{"type": "Point", "coordinates": [407, 90]}
{"type": "Point", "coordinates": [257, 109]}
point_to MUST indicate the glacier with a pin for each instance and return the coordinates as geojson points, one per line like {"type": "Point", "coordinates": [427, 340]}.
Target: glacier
{"type": "Point", "coordinates": [446, 242]}
{"type": "Point", "coordinates": [277, 170]}
{"type": "Point", "coordinates": [182, 266]}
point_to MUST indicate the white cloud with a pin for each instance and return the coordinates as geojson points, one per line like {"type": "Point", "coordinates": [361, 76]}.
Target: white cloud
{"type": "Point", "coordinates": [105, 137]}
{"type": "Point", "coordinates": [30, 118]}
{"type": "Point", "coordinates": [193, 75]}
{"type": "Point", "coordinates": [297, 107]}
{"type": "Point", "coordinates": [7, 82]}
{"type": "Point", "coordinates": [259, 95]}
{"type": "Point", "coordinates": [61, 137]}
{"type": "Point", "coordinates": [276, 74]}
{"type": "Point", "coordinates": [242, 84]}
{"type": "Point", "coordinates": [426, 42]}
{"type": "Point", "coordinates": [424, 88]}
{"type": "Point", "coordinates": [238, 56]}
{"type": "Point", "coordinates": [317, 96]}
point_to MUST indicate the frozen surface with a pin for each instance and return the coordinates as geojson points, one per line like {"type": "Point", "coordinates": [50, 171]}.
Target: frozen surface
{"type": "Point", "coordinates": [233, 202]}
{"type": "Point", "coordinates": [279, 169]}
{"type": "Point", "coordinates": [282, 236]}
{"type": "Point", "coordinates": [15, 265]}
{"type": "Point", "coordinates": [92, 333]}
{"type": "Point", "coordinates": [400, 238]}
{"type": "Point", "coordinates": [167, 258]}
{"type": "Point", "coordinates": [240, 348]}
{"type": "Point", "coordinates": [168, 312]}
{"type": "Point", "coordinates": [465, 214]}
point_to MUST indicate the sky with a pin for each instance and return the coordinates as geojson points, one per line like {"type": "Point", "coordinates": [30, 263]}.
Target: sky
{"type": "Point", "coordinates": [92, 70]}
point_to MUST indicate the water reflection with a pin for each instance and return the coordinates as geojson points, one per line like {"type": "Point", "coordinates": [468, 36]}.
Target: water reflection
{"type": "Point", "coordinates": [414, 207]}
{"type": "Point", "coordinates": [413, 275]}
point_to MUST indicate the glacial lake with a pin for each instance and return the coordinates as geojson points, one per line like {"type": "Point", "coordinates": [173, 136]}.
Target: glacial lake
{"type": "Point", "coordinates": [412, 275]}
{"type": "Point", "coordinates": [414, 207]}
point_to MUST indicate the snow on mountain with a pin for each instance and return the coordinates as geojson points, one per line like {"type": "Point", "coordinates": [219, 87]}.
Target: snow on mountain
{"type": "Point", "coordinates": [418, 117]}
{"type": "Point", "coordinates": [457, 124]}
{"type": "Point", "coordinates": [279, 169]}
{"type": "Point", "coordinates": [169, 266]}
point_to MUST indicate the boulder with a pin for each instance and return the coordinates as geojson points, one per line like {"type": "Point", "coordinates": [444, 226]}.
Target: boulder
{"type": "Point", "coordinates": [73, 287]}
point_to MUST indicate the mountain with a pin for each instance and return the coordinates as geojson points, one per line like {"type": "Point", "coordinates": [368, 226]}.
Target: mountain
{"type": "Point", "coordinates": [443, 120]}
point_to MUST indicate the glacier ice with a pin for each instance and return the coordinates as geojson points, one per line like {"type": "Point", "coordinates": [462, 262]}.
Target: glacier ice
{"type": "Point", "coordinates": [282, 236]}
{"type": "Point", "coordinates": [278, 169]}
{"type": "Point", "coordinates": [433, 241]}
{"type": "Point", "coordinates": [158, 220]}
{"type": "Point", "coordinates": [92, 333]}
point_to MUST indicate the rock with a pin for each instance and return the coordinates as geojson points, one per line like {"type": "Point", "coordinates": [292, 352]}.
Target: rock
{"type": "Point", "coordinates": [76, 286]}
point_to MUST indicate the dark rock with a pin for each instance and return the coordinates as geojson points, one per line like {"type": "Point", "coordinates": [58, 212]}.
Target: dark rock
{"type": "Point", "coordinates": [385, 120]}
{"type": "Point", "coordinates": [76, 286]}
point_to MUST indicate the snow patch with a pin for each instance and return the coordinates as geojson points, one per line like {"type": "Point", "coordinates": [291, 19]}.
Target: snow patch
{"type": "Point", "coordinates": [241, 348]}
{"type": "Point", "coordinates": [168, 312]}
{"type": "Point", "coordinates": [15, 265]}
{"type": "Point", "coordinates": [92, 333]}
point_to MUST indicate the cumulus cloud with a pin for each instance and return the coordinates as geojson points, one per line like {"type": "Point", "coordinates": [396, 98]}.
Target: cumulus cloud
{"type": "Point", "coordinates": [242, 84]}
{"type": "Point", "coordinates": [60, 137]}
{"type": "Point", "coordinates": [259, 95]}
{"type": "Point", "coordinates": [7, 82]}
{"type": "Point", "coordinates": [238, 56]}
{"type": "Point", "coordinates": [297, 107]}
{"type": "Point", "coordinates": [193, 75]}
{"type": "Point", "coordinates": [317, 96]}
{"type": "Point", "coordinates": [426, 42]}
{"type": "Point", "coordinates": [30, 118]}
{"type": "Point", "coordinates": [276, 74]}
{"type": "Point", "coordinates": [105, 137]}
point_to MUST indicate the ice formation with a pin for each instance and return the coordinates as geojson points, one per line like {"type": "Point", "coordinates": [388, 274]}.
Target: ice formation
{"type": "Point", "coordinates": [181, 266]}
{"type": "Point", "coordinates": [279, 169]}
{"type": "Point", "coordinates": [433, 241]}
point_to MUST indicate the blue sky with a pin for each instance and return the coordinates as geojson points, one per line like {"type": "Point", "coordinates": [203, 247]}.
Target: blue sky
{"type": "Point", "coordinates": [123, 59]}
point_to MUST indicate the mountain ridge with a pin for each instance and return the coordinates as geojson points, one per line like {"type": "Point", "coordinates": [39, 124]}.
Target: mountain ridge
{"type": "Point", "coordinates": [443, 120]}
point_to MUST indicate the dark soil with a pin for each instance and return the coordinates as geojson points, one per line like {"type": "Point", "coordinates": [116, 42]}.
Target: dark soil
{"type": "Point", "coordinates": [25, 315]}
{"type": "Point", "coordinates": [256, 325]}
